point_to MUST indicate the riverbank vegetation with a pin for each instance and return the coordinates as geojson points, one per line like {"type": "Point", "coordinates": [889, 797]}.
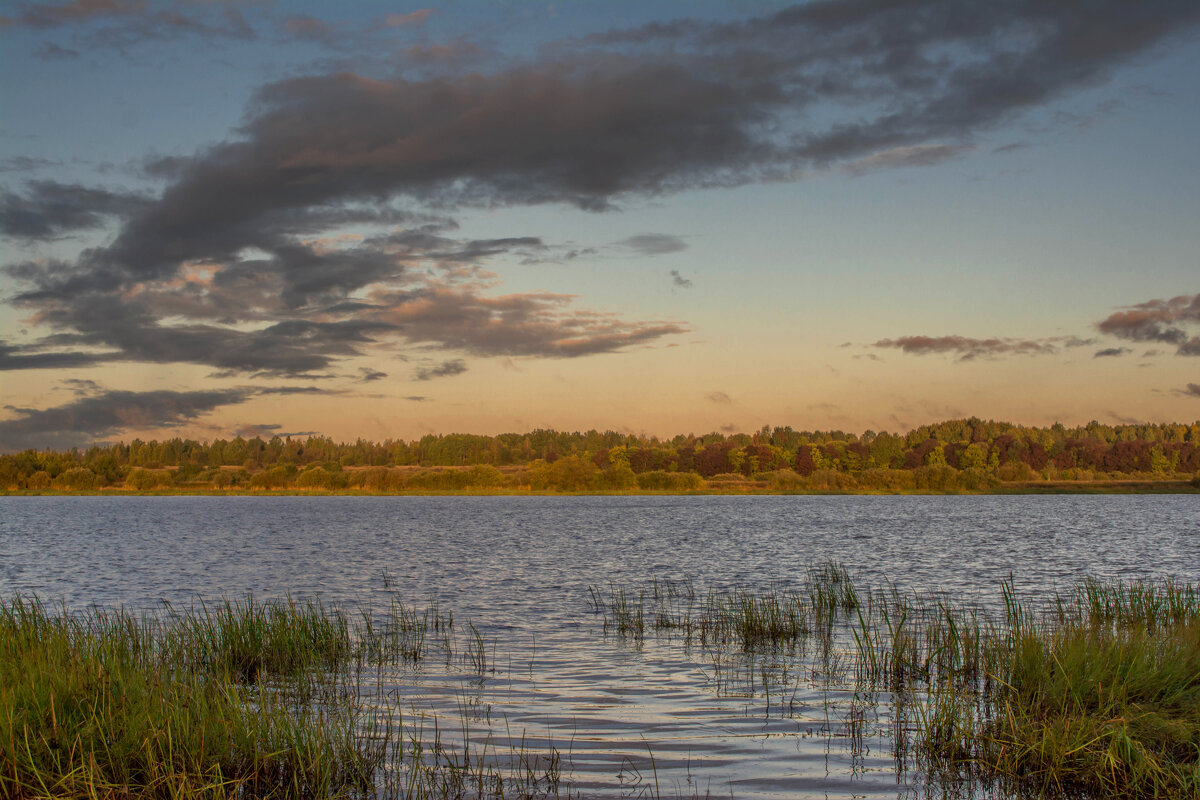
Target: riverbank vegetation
{"type": "Point", "coordinates": [239, 700]}
{"type": "Point", "coordinates": [1093, 692]}
{"type": "Point", "coordinates": [968, 455]}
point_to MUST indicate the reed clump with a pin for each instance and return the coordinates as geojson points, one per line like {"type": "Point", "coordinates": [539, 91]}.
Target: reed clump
{"type": "Point", "coordinates": [1093, 693]}
{"type": "Point", "coordinates": [238, 699]}
{"type": "Point", "coordinates": [95, 705]}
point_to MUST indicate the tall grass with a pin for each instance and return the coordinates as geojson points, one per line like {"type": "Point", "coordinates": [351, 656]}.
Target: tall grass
{"type": "Point", "coordinates": [239, 699]}
{"type": "Point", "coordinates": [1092, 693]}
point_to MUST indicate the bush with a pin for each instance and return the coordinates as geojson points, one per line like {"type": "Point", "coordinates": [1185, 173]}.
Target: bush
{"type": "Point", "coordinates": [315, 478]}
{"type": "Point", "coordinates": [661, 481]}
{"type": "Point", "coordinates": [571, 474]}
{"type": "Point", "coordinates": [831, 480]}
{"type": "Point", "coordinates": [782, 480]}
{"type": "Point", "coordinates": [1014, 471]}
{"type": "Point", "coordinates": [618, 477]}
{"type": "Point", "coordinates": [77, 478]}
{"type": "Point", "coordinates": [38, 480]}
{"type": "Point", "coordinates": [145, 479]}
{"type": "Point", "coordinates": [727, 477]}
{"type": "Point", "coordinates": [936, 479]}
{"type": "Point", "coordinates": [274, 478]}
{"type": "Point", "coordinates": [887, 480]}
{"type": "Point", "coordinates": [223, 479]}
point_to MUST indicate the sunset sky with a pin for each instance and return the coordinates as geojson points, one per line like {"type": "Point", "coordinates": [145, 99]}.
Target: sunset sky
{"type": "Point", "coordinates": [376, 220]}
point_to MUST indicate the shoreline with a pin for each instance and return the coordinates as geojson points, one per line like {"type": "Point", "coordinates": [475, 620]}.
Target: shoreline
{"type": "Point", "coordinates": [748, 488]}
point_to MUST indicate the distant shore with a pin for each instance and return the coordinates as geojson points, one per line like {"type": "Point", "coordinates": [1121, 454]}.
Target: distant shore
{"type": "Point", "coordinates": [731, 488]}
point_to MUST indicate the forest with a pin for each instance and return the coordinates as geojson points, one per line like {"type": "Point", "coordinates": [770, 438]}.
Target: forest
{"type": "Point", "coordinates": [956, 455]}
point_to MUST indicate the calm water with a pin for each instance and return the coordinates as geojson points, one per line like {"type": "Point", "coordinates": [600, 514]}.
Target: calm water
{"type": "Point", "coordinates": [520, 568]}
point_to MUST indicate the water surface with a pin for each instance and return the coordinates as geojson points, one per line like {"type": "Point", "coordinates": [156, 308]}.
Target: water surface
{"type": "Point", "coordinates": [519, 568]}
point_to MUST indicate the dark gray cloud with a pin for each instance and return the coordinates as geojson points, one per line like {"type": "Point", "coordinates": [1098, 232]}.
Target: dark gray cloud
{"type": "Point", "coordinates": [25, 163]}
{"type": "Point", "coordinates": [49, 51]}
{"type": "Point", "coordinates": [82, 387]}
{"type": "Point", "coordinates": [719, 397]}
{"type": "Point", "coordinates": [53, 15]}
{"type": "Point", "coordinates": [453, 366]}
{"type": "Point", "coordinates": [124, 23]}
{"type": "Point", "coordinates": [654, 111]}
{"type": "Point", "coordinates": [96, 416]}
{"type": "Point", "coordinates": [1191, 390]}
{"type": "Point", "coordinates": [270, 430]}
{"type": "Point", "coordinates": [48, 209]}
{"type": "Point", "coordinates": [238, 263]}
{"type": "Point", "coordinates": [24, 357]}
{"type": "Point", "coordinates": [532, 324]}
{"type": "Point", "coordinates": [368, 375]}
{"type": "Point", "coordinates": [679, 281]}
{"type": "Point", "coordinates": [1110, 352]}
{"type": "Point", "coordinates": [1164, 321]}
{"type": "Point", "coordinates": [653, 244]}
{"type": "Point", "coordinates": [967, 348]}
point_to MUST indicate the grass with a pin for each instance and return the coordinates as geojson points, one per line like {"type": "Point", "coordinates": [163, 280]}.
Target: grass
{"type": "Point", "coordinates": [240, 699]}
{"type": "Point", "coordinates": [1093, 693]}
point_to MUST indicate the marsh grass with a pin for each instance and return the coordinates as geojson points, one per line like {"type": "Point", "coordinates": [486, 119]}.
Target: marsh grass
{"type": "Point", "coordinates": [239, 699]}
{"type": "Point", "coordinates": [1091, 693]}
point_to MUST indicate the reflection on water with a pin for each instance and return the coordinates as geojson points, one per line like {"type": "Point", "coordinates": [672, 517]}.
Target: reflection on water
{"type": "Point", "coordinates": [631, 715]}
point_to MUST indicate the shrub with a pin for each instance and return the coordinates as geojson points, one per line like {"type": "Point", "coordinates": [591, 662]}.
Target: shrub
{"type": "Point", "coordinates": [145, 479]}
{"type": "Point", "coordinates": [77, 478]}
{"type": "Point", "coordinates": [618, 477]}
{"type": "Point", "coordinates": [832, 480]}
{"type": "Point", "coordinates": [661, 481]}
{"type": "Point", "coordinates": [888, 480]}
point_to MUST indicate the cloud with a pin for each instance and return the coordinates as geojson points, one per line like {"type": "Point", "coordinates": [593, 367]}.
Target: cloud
{"type": "Point", "coordinates": [25, 357]}
{"type": "Point", "coordinates": [730, 428]}
{"type": "Point", "coordinates": [96, 416]}
{"type": "Point", "coordinates": [405, 20]}
{"type": "Point", "coordinates": [454, 366]}
{"type": "Point", "coordinates": [1109, 352]}
{"type": "Point", "coordinates": [680, 281]}
{"type": "Point", "coordinates": [49, 51]}
{"type": "Point", "coordinates": [1163, 321]}
{"type": "Point", "coordinates": [302, 26]}
{"type": "Point", "coordinates": [416, 398]}
{"type": "Point", "coordinates": [918, 155]}
{"type": "Point", "coordinates": [123, 23]}
{"type": "Point", "coordinates": [268, 431]}
{"type": "Point", "coordinates": [25, 163]}
{"type": "Point", "coordinates": [1191, 390]}
{"type": "Point", "coordinates": [967, 348]}
{"type": "Point", "coordinates": [653, 244]}
{"type": "Point", "coordinates": [367, 375]}
{"type": "Point", "coordinates": [81, 387]}
{"type": "Point", "coordinates": [719, 397]}
{"type": "Point", "coordinates": [296, 308]}
{"type": "Point", "coordinates": [246, 260]}
{"type": "Point", "coordinates": [53, 15]}
{"type": "Point", "coordinates": [49, 209]}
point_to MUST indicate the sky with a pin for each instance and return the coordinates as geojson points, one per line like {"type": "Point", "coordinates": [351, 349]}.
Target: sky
{"type": "Point", "coordinates": [381, 220]}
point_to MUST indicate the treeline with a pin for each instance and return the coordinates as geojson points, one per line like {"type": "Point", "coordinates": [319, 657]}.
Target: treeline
{"type": "Point", "coordinates": [965, 454]}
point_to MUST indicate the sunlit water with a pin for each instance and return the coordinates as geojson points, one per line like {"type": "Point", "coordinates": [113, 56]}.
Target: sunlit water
{"type": "Point", "coordinates": [623, 716]}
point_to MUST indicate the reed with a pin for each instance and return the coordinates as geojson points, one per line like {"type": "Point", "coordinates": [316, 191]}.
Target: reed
{"type": "Point", "coordinates": [1092, 693]}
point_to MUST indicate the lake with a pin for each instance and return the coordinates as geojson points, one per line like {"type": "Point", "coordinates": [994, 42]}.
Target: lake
{"type": "Point", "coordinates": [623, 713]}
